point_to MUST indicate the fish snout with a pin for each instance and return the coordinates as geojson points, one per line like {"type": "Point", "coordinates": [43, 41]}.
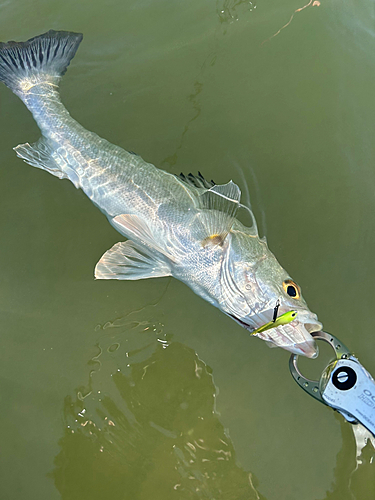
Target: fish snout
{"type": "Point", "coordinates": [307, 348]}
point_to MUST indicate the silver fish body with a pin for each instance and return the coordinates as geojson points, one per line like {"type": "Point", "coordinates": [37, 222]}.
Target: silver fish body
{"type": "Point", "coordinates": [181, 227]}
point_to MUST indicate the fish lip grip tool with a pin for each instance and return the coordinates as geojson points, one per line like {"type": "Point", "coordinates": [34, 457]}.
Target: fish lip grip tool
{"type": "Point", "coordinates": [344, 385]}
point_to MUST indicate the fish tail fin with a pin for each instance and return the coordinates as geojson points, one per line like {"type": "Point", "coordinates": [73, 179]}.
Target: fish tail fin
{"type": "Point", "coordinates": [42, 59]}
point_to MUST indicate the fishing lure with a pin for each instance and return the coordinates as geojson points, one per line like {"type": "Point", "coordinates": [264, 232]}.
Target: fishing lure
{"type": "Point", "coordinates": [284, 319]}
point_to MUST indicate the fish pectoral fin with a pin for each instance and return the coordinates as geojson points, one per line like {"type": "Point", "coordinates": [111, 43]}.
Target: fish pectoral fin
{"type": "Point", "coordinates": [129, 261]}
{"type": "Point", "coordinates": [218, 209]}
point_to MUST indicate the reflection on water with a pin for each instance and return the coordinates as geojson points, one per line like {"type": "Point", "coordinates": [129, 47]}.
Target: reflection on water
{"type": "Point", "coordinates": [354, 473]}
{"type": "Point", "coordinates": [362, 437]}
{"type": "Point", "coordinates": [145, 427]}
{"type": "Point", "coordinates": [228, 11]}
{"type": "Point", "coordinates": [189, 82]}
{"type": "Point", "coordinates": [362, 481]}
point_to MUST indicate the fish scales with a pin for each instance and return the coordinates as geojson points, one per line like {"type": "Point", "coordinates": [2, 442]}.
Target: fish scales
{"type": "Point", "coordinates": [114, 179]}
{"type": "Point", "coordinates": [183, 226]}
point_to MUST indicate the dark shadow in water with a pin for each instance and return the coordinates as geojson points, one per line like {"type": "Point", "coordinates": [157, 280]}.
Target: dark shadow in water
{"type": "Point", "coordinates": [359, 474]}
{"type": "Point", "coordinates": [146, 427]}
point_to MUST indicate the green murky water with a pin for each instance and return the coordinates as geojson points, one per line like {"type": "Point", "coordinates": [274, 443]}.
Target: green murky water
{"type": "Point", "coordinates": [142, 390]}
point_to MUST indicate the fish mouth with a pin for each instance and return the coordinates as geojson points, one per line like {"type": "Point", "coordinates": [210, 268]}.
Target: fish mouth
{"type": "Point", "coordinates": [294, 337]}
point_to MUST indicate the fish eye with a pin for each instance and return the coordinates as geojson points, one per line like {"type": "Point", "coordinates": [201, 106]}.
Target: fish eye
{"type": "Point", "coordinates": [292, 289]}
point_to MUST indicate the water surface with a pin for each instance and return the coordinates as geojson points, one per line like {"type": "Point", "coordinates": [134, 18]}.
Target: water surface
{"type": "Point", "coordinates": [142, 390]}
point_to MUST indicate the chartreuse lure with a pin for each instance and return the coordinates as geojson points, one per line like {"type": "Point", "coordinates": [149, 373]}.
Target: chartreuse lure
{"type": "Point", "coordinates": [284, 319]}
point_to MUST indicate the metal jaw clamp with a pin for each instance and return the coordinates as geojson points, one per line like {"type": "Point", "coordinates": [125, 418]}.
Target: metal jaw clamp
{"type": "Point", "coordinates": [344, 385]}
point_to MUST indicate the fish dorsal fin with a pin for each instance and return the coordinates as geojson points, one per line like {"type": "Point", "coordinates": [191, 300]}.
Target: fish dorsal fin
{"type": "Point", "coordinates": [222, 197]}
{"type": "Point", "coordinates": [197, 181]}
{"type": "Point", "coordinates": [129, 261]}
{"type": "Point", "coordinates": [135, 228]}
{"type": "Point", "coordinates": [219, 206]}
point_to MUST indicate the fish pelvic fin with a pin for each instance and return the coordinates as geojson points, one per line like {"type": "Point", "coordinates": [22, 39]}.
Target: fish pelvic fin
{"type": "Point", "coordinates": [137, 229]}
{"type": "Point", "coordinates": [42, 59]}
{"type": "Point", "coordinates": [130, 261]}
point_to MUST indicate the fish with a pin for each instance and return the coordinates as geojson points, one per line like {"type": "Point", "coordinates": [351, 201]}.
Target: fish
{"type": "Point", "coordinates": [176, 225]}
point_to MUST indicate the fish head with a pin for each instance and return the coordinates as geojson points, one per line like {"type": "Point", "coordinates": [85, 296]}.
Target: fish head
{"type": "Point", "coordinates": [258, 288]}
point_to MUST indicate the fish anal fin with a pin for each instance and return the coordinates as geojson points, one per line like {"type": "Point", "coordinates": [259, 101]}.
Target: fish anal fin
{"type": "Point", "coordinates": [43, 155]}
{"type": "Point", "coordinates": [129, 261]}
{"type": "Point", "coordinates": [39, 155]}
